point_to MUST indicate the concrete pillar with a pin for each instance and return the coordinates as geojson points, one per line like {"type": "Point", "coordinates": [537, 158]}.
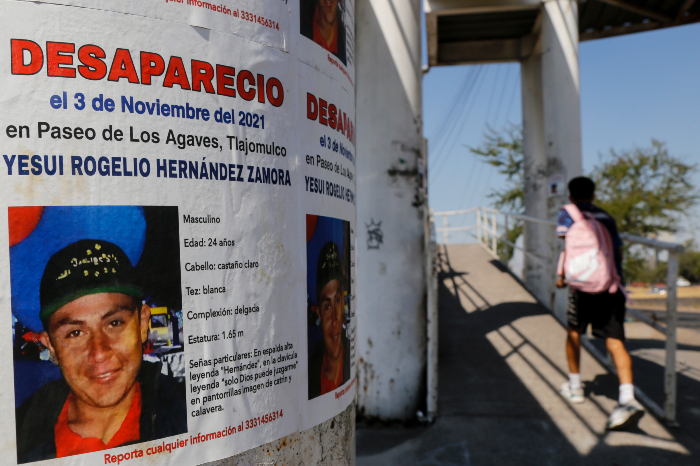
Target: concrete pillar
{"type": "Point", "coordinates": [551, 137]}
{"type": "Point", "coordinates": [561, 93]}
{"type": "Point", "coordinates": [536, 274]}
{"type": "Point", "coordinates": [391, 335]}
{"type": "Point", "coordinates": [330, 443]}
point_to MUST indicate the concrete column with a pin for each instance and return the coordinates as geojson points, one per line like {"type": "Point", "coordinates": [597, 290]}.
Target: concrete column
{"type": "Point", "coordinates": [537, 275]}
{"type": "Point", "coordinates": [561, 93]}
{"type": "Point", "coordinates": [552, 137]}
{"type": "Point", "coordinates": [391, 288]}
{"type": "Point", "coordinates": [330, 443]}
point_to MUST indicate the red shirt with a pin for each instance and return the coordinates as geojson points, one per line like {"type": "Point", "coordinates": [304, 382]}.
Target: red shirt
{"type": "Point", "coordinates": [330, 385]}
{"type": "Point", "coordinates": [68, 443]}
{"type": "Point", "coordinates": [320, 40]}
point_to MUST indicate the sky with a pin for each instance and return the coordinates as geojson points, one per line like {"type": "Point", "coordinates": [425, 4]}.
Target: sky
{"type": "Point", "coordinates": [633, 88]}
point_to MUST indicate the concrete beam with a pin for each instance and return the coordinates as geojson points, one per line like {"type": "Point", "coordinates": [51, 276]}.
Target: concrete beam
{"type": "Point", "coordinates": [640, 10]}
{"type": "Point", "coordinates": [431, 29]}
{"type": "Point", "coordinates": [484, 51]}
{"type": "Point", "coordinates": [621, 30]}
{"type": "Point", "coordinates": [684, 9]}
{"type": "Point", "coordinates": [456, 7]}
{"type": "Point", "coordinates": [470, 52]}
{"type": "Point", "coordinates": [634, 28]}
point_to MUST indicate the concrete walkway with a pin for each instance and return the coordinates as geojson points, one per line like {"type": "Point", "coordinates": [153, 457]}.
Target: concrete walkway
{"type": "Point", "coordinates": [501, 364]}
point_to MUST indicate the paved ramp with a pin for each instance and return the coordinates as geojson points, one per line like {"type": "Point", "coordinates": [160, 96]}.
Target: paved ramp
{"type": "Point", "coordinates": [501, 362]}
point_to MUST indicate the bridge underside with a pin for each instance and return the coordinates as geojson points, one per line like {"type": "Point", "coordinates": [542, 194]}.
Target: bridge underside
{"type": "Point", "coordinates": [544, 37]}
{"type": "Point", "coordinates": [481, 31]}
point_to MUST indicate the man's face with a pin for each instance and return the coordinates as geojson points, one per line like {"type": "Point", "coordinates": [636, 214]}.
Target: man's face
{"type": "Point", "coordinates": [97, 341]}
{"type": "Point", "coordinates": [331, 312]}
{"type": "Point", "coordinates": [328, 10]}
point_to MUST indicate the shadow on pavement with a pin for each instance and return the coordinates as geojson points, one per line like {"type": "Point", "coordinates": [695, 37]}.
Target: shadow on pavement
{"type": "Point", "coordinates": [500, 367]}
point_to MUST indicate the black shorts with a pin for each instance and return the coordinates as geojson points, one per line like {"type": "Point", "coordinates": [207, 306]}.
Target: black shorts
{"type": "Point", "coordinates": [605, 312]}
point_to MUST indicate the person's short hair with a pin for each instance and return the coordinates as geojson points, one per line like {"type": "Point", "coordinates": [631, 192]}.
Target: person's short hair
{"type": "Point", "coordinates": [581, 188]}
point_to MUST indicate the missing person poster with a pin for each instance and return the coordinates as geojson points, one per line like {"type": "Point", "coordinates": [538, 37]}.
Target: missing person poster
{"type": "Point", "coordinates": [266, 21]}
{"type": "Point", "coordinates": [326, 38]}
{"type": "Point", "coordinates": [178, 214]}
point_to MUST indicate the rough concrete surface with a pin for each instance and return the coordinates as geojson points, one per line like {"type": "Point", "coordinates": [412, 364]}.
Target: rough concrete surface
{"type": "Point", "coordinates": [502, 362]}
{"type": "Point", "coordinates": [331, 443]}
{"type": "Point", "coordinates": [391, 337]}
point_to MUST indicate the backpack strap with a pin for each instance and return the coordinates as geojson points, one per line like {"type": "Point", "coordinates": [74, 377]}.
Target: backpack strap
{"type": "Point", "coordinates": [574, 212]}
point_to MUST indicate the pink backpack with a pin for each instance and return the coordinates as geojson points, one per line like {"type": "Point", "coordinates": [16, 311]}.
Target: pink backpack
{"type": "Point", "coordinates": [588, 258]}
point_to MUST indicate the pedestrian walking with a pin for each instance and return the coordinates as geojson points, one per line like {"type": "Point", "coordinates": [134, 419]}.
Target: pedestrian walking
{"type": "Point", "coordinates": [591, 265]}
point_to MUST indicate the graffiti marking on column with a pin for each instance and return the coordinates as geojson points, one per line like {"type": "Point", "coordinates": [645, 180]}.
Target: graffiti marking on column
{"type": "Point", "coordinates": [375, 236]}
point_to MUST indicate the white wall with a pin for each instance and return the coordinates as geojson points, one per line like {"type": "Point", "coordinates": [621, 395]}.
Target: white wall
{"type": "Point", "coordinates": [391, 335]}
{"type": "Point", "coordinates": [552, 138]}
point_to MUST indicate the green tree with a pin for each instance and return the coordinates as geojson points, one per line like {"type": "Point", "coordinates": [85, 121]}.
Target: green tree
{"type": "Point", "coordinates": [646, 190]}
{"type": "Point", "coordinates": [505, 152]}
{"type": "Point", "coordinates": [688, 267]}
{"type": "Point", "coordinates": [689, 263]}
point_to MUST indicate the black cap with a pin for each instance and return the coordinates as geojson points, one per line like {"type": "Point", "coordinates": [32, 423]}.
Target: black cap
{"type": "Point", "coordinates": [83, 268]}
{"type": "Point", "coordinates": [329, 268]}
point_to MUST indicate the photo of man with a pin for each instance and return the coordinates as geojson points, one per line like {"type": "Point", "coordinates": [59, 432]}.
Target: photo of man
{"type": "Point", "coordinates": [322, 22]}
{"type": "Point", "coordinates": [96, 324]}
{"type": "Point", "coordinates": [329, 348]}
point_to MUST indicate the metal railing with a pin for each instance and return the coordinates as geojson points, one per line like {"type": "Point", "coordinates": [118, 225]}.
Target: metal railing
{"type": "Point", "coordinates": [487, 235]}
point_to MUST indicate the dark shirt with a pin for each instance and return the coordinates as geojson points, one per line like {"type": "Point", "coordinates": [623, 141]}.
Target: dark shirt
{"type": "Point", "coordinates": [163, 413]}
{"type": "Point", "coordinates": [307, 10]}
{"type": "Point", "coordinates": [564, 222]}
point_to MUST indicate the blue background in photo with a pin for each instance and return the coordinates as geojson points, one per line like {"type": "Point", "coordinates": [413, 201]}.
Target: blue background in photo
{"type": "Point", "coordinates": [124, 226]}
{"type": "Point", "coordinates": [327, 229]}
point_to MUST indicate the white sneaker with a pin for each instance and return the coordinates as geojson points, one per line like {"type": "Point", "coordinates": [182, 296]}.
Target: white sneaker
{"type": "Point", "coordinates": [573, 395]}
{"type": "Point", "coordinates": [625, 416]}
